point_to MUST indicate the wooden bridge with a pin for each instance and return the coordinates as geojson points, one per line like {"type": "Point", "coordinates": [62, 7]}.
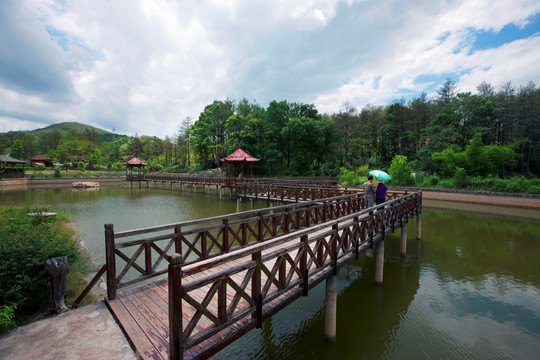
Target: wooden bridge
{"type": "Point", "coordinates": [227, 274]}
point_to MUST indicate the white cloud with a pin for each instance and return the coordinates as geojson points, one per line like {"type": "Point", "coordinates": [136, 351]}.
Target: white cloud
{"type": "Point", "coordinates": [143, 66]}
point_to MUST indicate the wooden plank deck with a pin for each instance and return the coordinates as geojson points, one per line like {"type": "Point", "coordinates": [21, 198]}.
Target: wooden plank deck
{"type": "Point", "coordinates": [143, 312]}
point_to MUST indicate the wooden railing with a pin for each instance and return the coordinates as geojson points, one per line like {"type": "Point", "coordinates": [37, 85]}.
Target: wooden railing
{"type": "Point", "coordinates": [204, 180]}
{"type": "Point", "coordinates": [253, 282]}
{"type": "Point", "coordinates": [141, 256]}
{"type": "Point", "coordinates": [290, 192]}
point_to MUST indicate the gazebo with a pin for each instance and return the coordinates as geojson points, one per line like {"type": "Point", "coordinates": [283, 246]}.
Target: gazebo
{"type": "Point", "coordinates": [11, 167]}
{"type": "Point", "coordinates": [134, 163]}
{"type": "Point", "coordinates": [239, 157]}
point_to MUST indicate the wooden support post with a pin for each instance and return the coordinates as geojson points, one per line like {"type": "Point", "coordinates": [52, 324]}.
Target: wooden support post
{"type": "Point", "coordinates": [220, 193]}
{"type": "Point", "coordinates": [403, 244]}
{"type": "Point", "coordinates": [238, 202]}
{"type": "Point", "coordinates": [330, 312]}
{"type": "Point", "coordinates": [252, 203]}
{"type": "Point", "coordinates": [111, 261]}
{"type": "Point", "coordinates": [379, 263]}
{"type": "Point", "coordinates": [419, 225]}
{"type": "Point", "coordinates": [175, 308]}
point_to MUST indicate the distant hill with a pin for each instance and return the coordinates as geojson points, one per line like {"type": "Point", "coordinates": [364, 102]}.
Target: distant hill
{"type": "Point", "coordinates": [65, 127]}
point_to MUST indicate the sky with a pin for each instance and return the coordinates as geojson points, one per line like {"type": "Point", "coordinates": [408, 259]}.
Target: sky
{"type": "Point", "coordinates": [143, 66]}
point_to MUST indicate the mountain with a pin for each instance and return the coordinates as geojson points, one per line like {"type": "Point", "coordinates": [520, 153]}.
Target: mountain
{"type": "Point", "coordinates": [65, 127]}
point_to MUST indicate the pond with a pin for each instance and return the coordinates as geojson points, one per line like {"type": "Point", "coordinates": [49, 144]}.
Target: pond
{"type": "Point", "coordinates": [468, 289]}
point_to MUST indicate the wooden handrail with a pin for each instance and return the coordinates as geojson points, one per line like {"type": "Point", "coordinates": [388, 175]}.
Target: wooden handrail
{"type": "Point", "coordinates": [288, 266]}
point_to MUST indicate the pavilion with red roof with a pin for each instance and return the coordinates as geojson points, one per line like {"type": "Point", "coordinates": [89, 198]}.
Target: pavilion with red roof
{"type": "Point", "coordinates": [133, 163]}
{"type": "Point", "coordinates": [239, 157]}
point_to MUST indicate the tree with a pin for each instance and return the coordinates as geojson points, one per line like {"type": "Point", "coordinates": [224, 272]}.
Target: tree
{"type": "Point", "coordinates": [346, 121]}
{"type": "Point", "coordinates": [17, 150]}
{"type": "Point", "coordinates": [400, 170]}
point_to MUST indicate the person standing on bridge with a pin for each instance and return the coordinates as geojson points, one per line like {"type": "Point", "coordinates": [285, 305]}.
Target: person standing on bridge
{"type": "Point", "coordinates": [369, 192]}
{"type": "Point", "coordinates": [380, 192]}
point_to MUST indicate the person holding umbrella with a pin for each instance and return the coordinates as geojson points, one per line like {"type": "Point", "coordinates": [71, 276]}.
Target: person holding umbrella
{"type": "Point", "coordinates": [380, 191]}
{"type": "Point", "coordinates": [380, 188]}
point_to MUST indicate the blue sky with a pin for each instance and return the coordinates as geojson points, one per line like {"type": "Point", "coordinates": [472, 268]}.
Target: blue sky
{"type": "Point", "coordinates": [143, 66]}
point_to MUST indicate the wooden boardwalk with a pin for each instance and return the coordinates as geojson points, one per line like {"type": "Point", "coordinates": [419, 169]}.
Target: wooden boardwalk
{"type": "Point", "coordinates": [226, 275]}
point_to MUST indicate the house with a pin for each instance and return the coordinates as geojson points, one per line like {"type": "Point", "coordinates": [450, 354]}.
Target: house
{"type": "Point", "coordinates": [41, 159]}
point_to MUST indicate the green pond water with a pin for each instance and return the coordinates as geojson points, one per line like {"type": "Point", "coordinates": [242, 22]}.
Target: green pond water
{"type": "Point", "coordinates": [470, 289]}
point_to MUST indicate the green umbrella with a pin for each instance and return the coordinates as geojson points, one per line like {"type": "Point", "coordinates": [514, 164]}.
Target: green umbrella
{"type": "Point", "coordinates": [379, 174]}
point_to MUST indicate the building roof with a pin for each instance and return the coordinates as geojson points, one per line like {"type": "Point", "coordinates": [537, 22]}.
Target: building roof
{"type": "Point", "coordinates": [9, 159]}
{"type": "Point", "coordinates": [134, 161]}
{"type": "Point", "coordinates": [39, 158]}
{"type": "Point", "coordinates": [239, 155]}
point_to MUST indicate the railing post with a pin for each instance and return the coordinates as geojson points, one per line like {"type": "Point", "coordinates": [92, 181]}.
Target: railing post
{"type": "Point", "coordinates": [335, 248]}
{"type": "Point", "coordinates": [226, 245]}
{"type": "Point", "coordinates": [111, 261]}
{"type": "Point", "coordinates": [178, 240]}
{"type": "Point", "coordinates": [303, 264]}
{"type": "Point", "coordinates": [175, 308]}
{"type": "Point", "coordinates": [256, 288]}
{"type": "Point", "coordinates": [287, 219]}
{"type": "Point", "coordinates": [356, 236]}
{"type": "Point", "coordinates": [260, 229]}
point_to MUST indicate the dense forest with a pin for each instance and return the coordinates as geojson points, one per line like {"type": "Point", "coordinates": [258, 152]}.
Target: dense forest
{"type": "Point", "coordinates": [492, 132]}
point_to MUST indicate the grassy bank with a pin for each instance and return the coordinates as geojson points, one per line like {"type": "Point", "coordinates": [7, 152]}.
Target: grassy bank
{"type": "Point", "coordinates": [26, 242]}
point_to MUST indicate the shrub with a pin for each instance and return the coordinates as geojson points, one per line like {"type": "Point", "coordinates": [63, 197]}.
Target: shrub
{"type": "Point", "coordinates": [7, 317]}
{"type": "Point", "coordinates": [434, 180]}
{"type": "Point", "coordinates": [57, 172]}
{"type": "Point", "coordinates": [400, 171]}
{"type": "Point", "coordinates": [26, 243]}
{"type": "Point", "coordinates": [460, 178]}
{"type": "Point", "coordinates": [39, 167]}
{"type": "Point", "coordinates": [346, 177]}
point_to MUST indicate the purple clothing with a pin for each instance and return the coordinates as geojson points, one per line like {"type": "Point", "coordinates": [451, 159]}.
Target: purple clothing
{"type": "Point", "coordinates": [380, 193]}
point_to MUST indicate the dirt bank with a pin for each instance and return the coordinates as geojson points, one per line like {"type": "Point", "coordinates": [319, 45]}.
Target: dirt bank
{"type": "Point", "coordinates": [517, 201]}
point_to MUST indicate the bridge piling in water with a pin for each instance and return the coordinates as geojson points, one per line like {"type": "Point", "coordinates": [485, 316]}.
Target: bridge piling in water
{"type": "Point", "coordinates": [330, 310]}
{"type": "Point", "coordinates": [379, 263]}
{"type": "Point", "coordinates": [419, 225]}
{"type": "Point", "coordinates": [403, 242]}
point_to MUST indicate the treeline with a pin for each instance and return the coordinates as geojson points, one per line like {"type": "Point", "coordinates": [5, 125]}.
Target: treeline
{"type": "Point", "coordinates": [487, 133]}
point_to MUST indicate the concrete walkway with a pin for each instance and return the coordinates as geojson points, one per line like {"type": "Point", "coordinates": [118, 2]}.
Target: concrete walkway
{"type": "Point", "coordinates": [86, 333]}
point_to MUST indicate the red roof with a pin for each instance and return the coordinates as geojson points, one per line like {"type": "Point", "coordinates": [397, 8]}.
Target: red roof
{"type": "Point", "coordinates": [239, 155]}
{"type": "Point", "coordinates": [134, 161]}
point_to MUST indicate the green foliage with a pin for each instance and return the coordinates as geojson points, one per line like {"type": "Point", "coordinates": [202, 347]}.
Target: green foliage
{"type": "Point", "coordinates": [57, 172]}
{"type": "Point", "coordinates": [26, 242]}
{"type": "Point", "coordinates": [348, 177]}
{"type": "Point", "coordinates": [39, 167]}
{"type": "Point", "coordinates": [400, 171]}
{"type": "Point", "coordinates": [460, 178]}
{"type": "Point", "coordinates": [7, 317]}
{"type": "Point", "coordinates": [117, 166]}
{"type": "Point", "coordinates": [17, 150]}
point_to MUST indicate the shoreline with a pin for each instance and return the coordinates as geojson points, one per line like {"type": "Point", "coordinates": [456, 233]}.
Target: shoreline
{"type": "Point", "coordinates": [518, 200]}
